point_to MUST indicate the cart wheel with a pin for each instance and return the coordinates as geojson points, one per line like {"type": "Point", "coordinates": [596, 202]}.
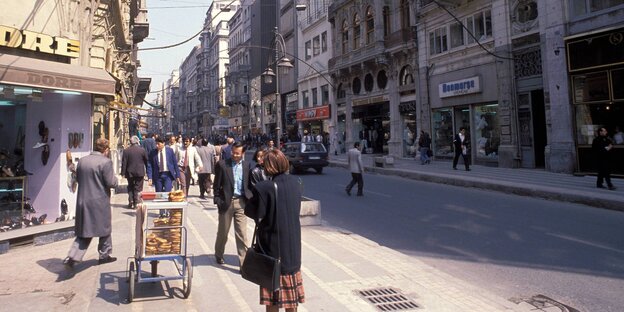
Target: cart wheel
{"type": "Point", "coordinates": [131, 282]}
{"type": "Point", "coordinates": [187, 278]}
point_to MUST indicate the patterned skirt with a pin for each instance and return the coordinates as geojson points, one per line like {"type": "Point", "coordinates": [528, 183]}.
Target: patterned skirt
{"type": "Point", "coordinates": [291, 292]}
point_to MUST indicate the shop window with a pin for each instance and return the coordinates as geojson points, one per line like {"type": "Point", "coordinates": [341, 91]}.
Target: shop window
{"type": "Point", "coordinates": [316, 45]}
{"type": "Point", "coordinates": [370, 25]}
{"type": "Point", "coordinates": [487, 131]}
{"type": "Point", "coordinates": [382, 80]}
{"type": "Point", "coordinates": [442, 135]}
{"type": "Point", "coordinates": [617, 78]}
{"type": "Point", "coordinates": [324, 41]}
{"type": "Point", "coordinates": [357, 85]}
{"type": "Point", "coordinates": [437, 41]}
{"type": "Point", "coordinates": [592, 87]}
{"type": "Point", "coordinates": [356, 31]}
{"type": "Point", "coordinates": [368, 83]}
{"type": "Point", "coordinates": [590, 117]}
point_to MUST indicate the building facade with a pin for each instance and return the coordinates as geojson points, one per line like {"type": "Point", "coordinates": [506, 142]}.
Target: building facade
{"type": "Point", "coordinates": [66, 80]}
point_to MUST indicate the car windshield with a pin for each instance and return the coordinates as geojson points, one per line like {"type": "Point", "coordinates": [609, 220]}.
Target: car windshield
{"type": "Point", "coordinates": [312, 147]}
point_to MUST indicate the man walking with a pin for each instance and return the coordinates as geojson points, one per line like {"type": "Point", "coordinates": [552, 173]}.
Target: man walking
{"type": "Point", "coordinates": [206, 152]}
{"type": "Point", "coordinates": [133, 163]}
{"type": "Point", "coordinates": [226, 149]}
{"type": "Point", "coordinates": [231, 192]}
{"type": "Point", "coordinates": [602, 147]}
{"type": "Point", "coordinates": [354, 157]}
{"type": "Point", "coordinates": [190, 163]}
{"type": "Point", "coordinates": [162, 167]}
{"type": "Point", "coordinates": [95, 177]}
{"type": "Point", "coordinates": [461, 148]}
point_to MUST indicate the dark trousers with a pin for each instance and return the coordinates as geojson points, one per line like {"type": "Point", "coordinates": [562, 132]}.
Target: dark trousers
{"type": "Point", "coordinates": [604, 174]}
{"type": "Point", "coordinates": [356, 178]}
{"type": "Point", "coordinates": [164, 182]}
{"type": "Point", "coordinates": [135, 187]}
{"type": "Point", "coordinates": [80, 245]}
{"type": "Point", "coordinates": [464, 156]}
{"type": "Point", "coordinates": [205, 183]}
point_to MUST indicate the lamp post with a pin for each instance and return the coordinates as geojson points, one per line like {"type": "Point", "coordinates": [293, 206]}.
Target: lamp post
{"type": "Point", "coordinates": [280, 61]}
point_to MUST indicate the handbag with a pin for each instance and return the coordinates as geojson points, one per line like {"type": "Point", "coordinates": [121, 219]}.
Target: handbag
{"type": "Point", "coordinates": [260, 268]}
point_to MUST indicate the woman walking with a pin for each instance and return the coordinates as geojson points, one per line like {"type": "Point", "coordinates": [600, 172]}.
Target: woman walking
{"type": "Point", "coordinates": [276, 214]}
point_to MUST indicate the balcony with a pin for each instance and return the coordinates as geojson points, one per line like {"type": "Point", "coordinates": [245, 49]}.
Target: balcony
{"type": "Point", "coordinates": [401, 38]}
{"type": "Point", "coordinates": [140, 27]}
{"type": "Point", "coordinates": [362, 55]}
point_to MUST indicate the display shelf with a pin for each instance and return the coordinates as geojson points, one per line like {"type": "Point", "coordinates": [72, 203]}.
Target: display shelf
{"type": "Point", "coordinates": [12, 195]}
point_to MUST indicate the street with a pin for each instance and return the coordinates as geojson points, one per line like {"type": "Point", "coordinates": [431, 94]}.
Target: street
{"type": "Point", "coordinates": [516, 247]}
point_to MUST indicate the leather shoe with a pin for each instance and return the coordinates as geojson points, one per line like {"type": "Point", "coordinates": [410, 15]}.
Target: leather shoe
{"type": "Point", "coordinates": [612, 188]}
{"type": "Point", "coordinates": [219, 260]}
{"type": "Point", "coordinates": [69, 262]}
{"type": "Point", "coordinates": [468, 169]}
{"type": "Point", "coordinates": [348, 192]}
{"type": "Point", "coordinates": [108, 259]}
{"type": "Point", "coordinates": [600, 186]}
{"type": "Point", "coordinates": [202, 197]}
{"type": "Point", "coordinates": [360, 194]}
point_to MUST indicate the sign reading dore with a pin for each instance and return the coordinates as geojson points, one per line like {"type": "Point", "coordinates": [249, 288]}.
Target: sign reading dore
{"type": "Point", "coordinates": [460, 87]}
{"type": "Point", "coordinates": [30, 40]}
{"type": "Point", "coordinates": [321, 112]}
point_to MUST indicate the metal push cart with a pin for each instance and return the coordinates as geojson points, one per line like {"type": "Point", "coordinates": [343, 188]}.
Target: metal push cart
{"type": "Point", "coordinates": [160, 235]}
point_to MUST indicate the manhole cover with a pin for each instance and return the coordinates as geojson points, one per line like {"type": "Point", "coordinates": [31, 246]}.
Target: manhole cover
{"type": "Point", "coordinates": [387, 299]}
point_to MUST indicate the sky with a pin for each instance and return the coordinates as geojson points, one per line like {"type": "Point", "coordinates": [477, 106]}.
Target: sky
{"type": "Point", "coordinates": [170, 22]}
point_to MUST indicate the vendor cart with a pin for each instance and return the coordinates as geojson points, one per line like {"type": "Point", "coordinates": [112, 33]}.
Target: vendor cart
{"type": "Point", "coordinates": [160, 236]}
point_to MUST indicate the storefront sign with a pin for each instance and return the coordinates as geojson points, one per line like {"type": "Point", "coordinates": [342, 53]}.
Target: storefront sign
{"type": "Point", "coordinates": [460, 87]}
{"type": "Point", "coordinates": [30, 40]}
{"type": "Point", "coordinates": [315, 113]}
{"type": "Point", "coordinates": [370, 100]}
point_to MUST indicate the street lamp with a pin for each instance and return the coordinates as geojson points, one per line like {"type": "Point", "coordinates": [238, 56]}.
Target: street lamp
{"type": "Point", "coordinates": [280, 61]}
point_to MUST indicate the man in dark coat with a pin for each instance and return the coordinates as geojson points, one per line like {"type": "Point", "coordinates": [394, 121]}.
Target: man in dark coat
{"type": "Point", "coordinates": [149, 144]}
{"type": "Point", "coordinates": [162, 167]}
{"type": "Point", "coordinates": [231, 191]}
{"type": "Point", "coordinates": [461, 148]}
{"type": "Point", "coordinates": [133, 163]}
{"type": "Point", "coordinates": [95, 177]}
{"type": "Point", "coordinates": [602, 147]}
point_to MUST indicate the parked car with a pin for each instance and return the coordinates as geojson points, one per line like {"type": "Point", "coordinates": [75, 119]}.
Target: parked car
{"type": "Point", "coordinates": [305, 155]}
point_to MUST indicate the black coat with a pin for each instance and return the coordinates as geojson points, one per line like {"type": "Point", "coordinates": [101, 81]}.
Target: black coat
{"type": "Point", "coordinates": [281, 238]}
{"type": "Point", "coordinates": [223, 185]}
{"type": "Point", "coordinates": [133, 162]}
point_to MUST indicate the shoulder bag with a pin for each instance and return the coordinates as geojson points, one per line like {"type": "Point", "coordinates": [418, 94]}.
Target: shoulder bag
{"type": "Point", "coordinates": [258, 267]}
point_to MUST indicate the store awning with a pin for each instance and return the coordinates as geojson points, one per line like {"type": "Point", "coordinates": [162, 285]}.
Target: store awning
{"type": "Point", "coordinates": [32, 72]}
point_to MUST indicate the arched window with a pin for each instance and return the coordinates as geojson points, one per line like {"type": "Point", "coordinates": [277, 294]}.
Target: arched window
{"type": "Point", "coordinates": [357, 85]}
{"type": "Point", "coordinates": [345, 36]}
{"type": "Point", "coordinates": [405, 14]}
{"type": "Point", "coordinates": [406, 77]}
{"type": "Point", "coordinates": [368, 82]}
{"type": "Point", "coordinates": [356, 32]}
{"type": "Point", "coordinates": [370, 25]}
{"type": "Point", "coordinates": [382, 79]}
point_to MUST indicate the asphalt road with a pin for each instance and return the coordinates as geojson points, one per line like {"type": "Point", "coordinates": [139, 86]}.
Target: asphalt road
{"type": "Point", "coordinates": [518, 246]}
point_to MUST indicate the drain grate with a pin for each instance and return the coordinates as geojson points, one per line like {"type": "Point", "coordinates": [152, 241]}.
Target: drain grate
{"type": "Point", "coordinates": [387, 299]}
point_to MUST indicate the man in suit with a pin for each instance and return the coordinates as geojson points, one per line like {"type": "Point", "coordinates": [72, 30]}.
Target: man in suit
{"type": "Point", "coordinates": [133, 164]}
{"type": "Point", "coordinates": [206, 152]}
{"type": "Point", "coordinates": [149, 144]}
{"type": "Point", "coordinates": [162, 167]}
{"type": "Point", "coordinates": [226, 149]}
{"type": "Point", "coordinates": [231, 191]}
{"type": "Point", "coordinates": [95, 177]}
{"type": "Point", "coordinates": [461, 148]}
{"type": "Point", "coordinates": [189, 162]}
{"type": "Point", "coordinates": [354, 157]}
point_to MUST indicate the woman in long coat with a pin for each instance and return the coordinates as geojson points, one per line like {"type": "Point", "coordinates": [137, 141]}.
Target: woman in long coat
{"type": "Point", "coordinates": [279, 229]}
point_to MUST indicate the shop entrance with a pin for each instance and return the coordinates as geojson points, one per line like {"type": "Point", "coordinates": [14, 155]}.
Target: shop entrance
{"type": "Point", "coordinates": [371, 126]}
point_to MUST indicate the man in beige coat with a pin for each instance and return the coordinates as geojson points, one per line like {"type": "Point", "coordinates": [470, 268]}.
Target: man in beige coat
{"type": "Point", "coordinates": [190, 163]}
{"type": "Point", "coordinates": [354, 157]}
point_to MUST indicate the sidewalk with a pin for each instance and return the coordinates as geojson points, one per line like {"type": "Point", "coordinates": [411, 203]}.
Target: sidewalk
{"type": "Point", "coordinates": [527, 182]}
{"type": "Point", "coordinates": [336, 266]}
